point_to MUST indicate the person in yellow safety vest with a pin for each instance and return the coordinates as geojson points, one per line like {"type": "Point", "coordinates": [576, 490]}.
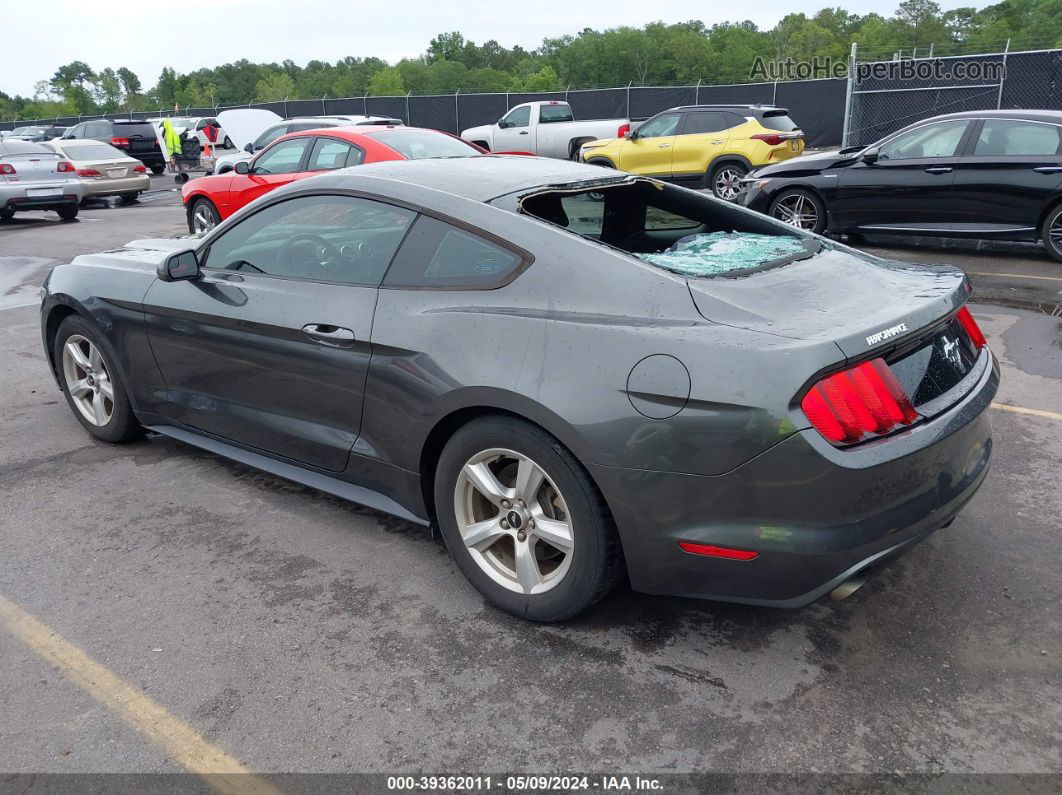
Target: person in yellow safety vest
{"type": "Point", "coordinates": [172, 141]}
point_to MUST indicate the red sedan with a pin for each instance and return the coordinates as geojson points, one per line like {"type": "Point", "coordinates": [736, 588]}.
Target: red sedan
{"type": "Point", "coordinates": [210, 200]}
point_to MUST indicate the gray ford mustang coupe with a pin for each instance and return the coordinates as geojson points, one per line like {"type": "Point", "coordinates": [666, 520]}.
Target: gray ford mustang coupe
{"type": "Point", "coordinates": [577, 374]}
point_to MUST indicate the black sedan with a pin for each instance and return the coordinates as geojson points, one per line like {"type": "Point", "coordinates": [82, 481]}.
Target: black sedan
{"type": "Point", "coordinates": [645, 381]}
{"type": "Point", "coordinates": [993, 174]}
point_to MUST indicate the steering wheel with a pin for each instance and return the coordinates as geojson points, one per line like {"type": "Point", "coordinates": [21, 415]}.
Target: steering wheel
{"type": "Point", "coordinates": [328, 255]}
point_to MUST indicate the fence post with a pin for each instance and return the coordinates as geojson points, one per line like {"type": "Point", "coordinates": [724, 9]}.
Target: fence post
{"type": "Point", "coordinates": [409, 120]}
{"type": "Point", "coordinates": [697, 93]}
{"type": "Point", "coordinates": [1003, 77]}
{"type": "Point", "coordinates": [457, 111]}
{"type": "Point", "coordinates": [849, 97]}
{"type": "Point", "coordinates": [286, 108]}
{"type": "Point", "coordinates": [365, 104]}
{"type": "Point", "coordinates": [629, 99]}
{"type": "Point", "coordinates": [506, 101]}
{"type": "Point", "coordinates": [774, 95]}
{"type": "Point", "coordinates": [930, 49]}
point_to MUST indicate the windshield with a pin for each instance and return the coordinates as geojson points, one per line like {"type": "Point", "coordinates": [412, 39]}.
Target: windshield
{"type": "Point", "coordinates": [28, 130]}
{"type": "Point", "coordinates": [421, 144]}
{"type": "Point", "coordinates": [672, 229]}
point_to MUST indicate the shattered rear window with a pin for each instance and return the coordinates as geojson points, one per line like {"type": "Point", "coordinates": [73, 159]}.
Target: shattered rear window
{"type": "Point", "coordinates": [718, 253]}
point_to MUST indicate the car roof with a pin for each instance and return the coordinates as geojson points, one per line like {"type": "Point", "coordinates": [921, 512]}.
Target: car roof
{"type": "Point", "coordinates": [354, 119]}
{"type": "Point", "coordinates": [1054, 116]}
{"type": "Point", "coordinates": [760, 108]}
{"type": "Point", "coordinates": [17, 147]}
{"type": "Point", "coordinates": [480, 179]}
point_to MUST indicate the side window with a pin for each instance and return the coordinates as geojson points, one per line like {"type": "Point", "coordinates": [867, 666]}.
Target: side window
{"type": "Point", "coordinates": [283, 158]}
{"type": "Point", "coordinates": [96, 129]}
{"type": "Point", "coordinates": [933, 140]}
{"type": "Point", "coordinates": [1001, 137]}
{"type": "Point", "coordinates": [328, 154]}
{"type": "Point", "coordinates": [733, 119]}
{"type": "Point", "coordinates": [321, 238]}
{"type": "Point", "coordinates": [270, 135]}
{"type": "Point", "coordinates": [77, 131]}
{"type": "Point", "coordinates": [439, 255]}
{"type": "Point", "coordinates": [704, 122]}
{"type": "Point", "coordinates": [660, 126]}
{"type": "Point", "coordinates": [521, 117]}
{"type": "Point", "coordinates": [308, 125]}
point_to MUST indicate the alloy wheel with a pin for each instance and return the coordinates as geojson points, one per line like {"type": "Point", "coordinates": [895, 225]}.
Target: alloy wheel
{"type": "Point", "coordinates": [797, 210]}
{"type": "Point", "coordinates": [87, 380]}
{"type": "Point", "coordinates": [1054, 234]}
{"type": "Point", "coordinates": [203, 219]}
{"type": "Point", "coordinates": [514, 521]}
{"type": "Point", "coordinates": [728, 183]}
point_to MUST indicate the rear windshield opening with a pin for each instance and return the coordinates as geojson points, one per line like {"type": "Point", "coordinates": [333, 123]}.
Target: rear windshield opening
{"type": "Point", "coordinates": [778, 120]}
{"type": "Point", "coordinates": [677, 230]}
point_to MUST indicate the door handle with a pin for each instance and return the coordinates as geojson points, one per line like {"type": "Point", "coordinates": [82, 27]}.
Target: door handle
{"type": "Point", "coordinates": [523, 132]}
{"type": "Point", "coordinates": [1048, 169]}
{"type": "Point", "coordinates": [938, 170]}
{"type": "Point", "coordinates": [663, 146]}
{"type": "Point", "coordinates": [715, 143]}
{"type": "Point", "coordinates": [335, 336]}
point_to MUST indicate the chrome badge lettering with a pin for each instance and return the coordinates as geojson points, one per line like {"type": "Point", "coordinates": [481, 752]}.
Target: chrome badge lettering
{"type": "Point", "coordinates": [887, 333]}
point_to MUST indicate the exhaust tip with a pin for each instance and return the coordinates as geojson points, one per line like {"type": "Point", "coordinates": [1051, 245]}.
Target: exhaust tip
{"type": "Point", "coordinates": [847, 588]}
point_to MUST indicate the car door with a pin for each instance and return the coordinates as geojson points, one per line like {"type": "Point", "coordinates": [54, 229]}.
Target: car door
{"type": "Point", "coordinates": [328, 154]}
{"type": "Point", "coordinates": [269, 347]}
{"type": "Point", "coordinates": [702, 137]}
{"type": "Point", "coordinates": [651, 149]}
{"type": "Point", "coordinates": [513, 133]}
{"type": "Point", "coordinates": [1012, 167]}
{"type": "Point", "coordinates": [908, 185]}
{"type": "Point", "coordinates": [275, 166]}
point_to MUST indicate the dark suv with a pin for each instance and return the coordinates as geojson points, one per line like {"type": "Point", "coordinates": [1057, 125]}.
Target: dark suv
{"type": "Point", "coordinates": [135, 138]}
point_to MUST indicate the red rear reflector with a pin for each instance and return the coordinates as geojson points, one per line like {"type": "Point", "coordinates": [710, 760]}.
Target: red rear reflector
{"type": "Point", "coordinates": [140, 169]}
{"type": "Point", "coordinates": [966, 320]}
{"type": "Point", "coordinates": [623, 130]}
{"type": "Point", "coordinates": [116, 141]}
{"type": "Point", "coordinates": [7, 168]}
{"type": "Point", "coordinates": [718, 552]}
{"type": "Point", "coordinates": [771, 139]}
{"type": "Point", "coordinates": [88, 172]}
{"type": "Point", "coordinates": [865, 399]}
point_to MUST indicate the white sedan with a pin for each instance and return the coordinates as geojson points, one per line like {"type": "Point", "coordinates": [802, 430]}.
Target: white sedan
{"type": "Point", "coordinates": [104, 170]}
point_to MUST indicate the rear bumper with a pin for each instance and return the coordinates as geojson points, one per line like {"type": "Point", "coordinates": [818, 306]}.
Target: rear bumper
{"type": "Point", "coordinates": [815, 515]}
{"type": "Point", "coordinates": [15, 196]}
{"type": "Point", "coordinates": [109, 187]}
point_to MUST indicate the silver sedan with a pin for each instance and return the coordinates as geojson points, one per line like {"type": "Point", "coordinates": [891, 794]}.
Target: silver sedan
{"type": "Point", "coordinates": [35, 178]}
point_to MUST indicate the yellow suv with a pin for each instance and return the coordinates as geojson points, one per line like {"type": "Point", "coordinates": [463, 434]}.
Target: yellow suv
{"type": "Point", "coordinates": [701, 146]}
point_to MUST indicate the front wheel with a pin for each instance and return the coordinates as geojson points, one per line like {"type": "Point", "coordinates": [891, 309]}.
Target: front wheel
{"type": "Point", "coordinates": [800, 208]}
{"type": "Point", "coordinates": [523, 520]}
{"type": "Point", "coordinates": [92, 385]}
{"type": "Point", "coordinates": [68, 213]}
{"type": "Point", "coordinates": [1051, 233]}
{"type": "Point", "coordinates": [725, 180]}
{"type": "Point", "coordinates": [203, 217]}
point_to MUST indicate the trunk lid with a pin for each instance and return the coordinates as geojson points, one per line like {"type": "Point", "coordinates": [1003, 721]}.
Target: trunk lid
{"type": "Point", "coordinates": [31, 167]}
{"type": "Point", "coordinates": [858, 302]}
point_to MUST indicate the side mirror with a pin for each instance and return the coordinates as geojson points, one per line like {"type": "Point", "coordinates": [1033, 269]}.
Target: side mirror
{"type": "Point", "coordinates": [242, 167]}
{"type": "Point", "coordinates": [248, 147]}
{"type": "Point", "coordinates": [179, 267]}
{"type": "Point", "coordinates": [870, 155]}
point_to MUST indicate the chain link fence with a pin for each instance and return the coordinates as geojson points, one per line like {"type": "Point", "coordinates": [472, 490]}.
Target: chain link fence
{"type": "Point", "coordinates": [832, 112]}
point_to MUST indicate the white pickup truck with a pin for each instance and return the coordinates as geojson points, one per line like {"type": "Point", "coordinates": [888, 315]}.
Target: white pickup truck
{"type": "Point", "coordinates": [544, 128]}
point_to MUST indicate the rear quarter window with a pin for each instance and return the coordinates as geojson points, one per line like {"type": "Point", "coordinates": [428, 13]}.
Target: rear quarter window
{"type": "Point", "coordinates": [438, 255]}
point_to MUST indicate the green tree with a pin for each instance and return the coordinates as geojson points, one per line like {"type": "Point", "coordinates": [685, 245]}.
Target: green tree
{"type": "Point", "coordinates": [274, 86]}
{"type": "Point", "coordinates": [387, 82]}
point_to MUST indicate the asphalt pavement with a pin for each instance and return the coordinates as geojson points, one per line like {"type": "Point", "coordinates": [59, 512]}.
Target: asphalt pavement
{"type": "Point", "coordinates": [287, 631]}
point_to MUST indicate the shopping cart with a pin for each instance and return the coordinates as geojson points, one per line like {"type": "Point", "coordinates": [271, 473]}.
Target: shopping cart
{"type": "Point", "coordinates": [191, 160]}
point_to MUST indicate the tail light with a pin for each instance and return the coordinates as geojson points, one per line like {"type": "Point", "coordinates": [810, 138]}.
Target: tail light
{"type": "Point", "coordinates": [623, 130]}
{"type": "Point", "coordinates": [771, 139]}
{"type": "Point", "coordinates": [969, 325]}
{"type": "Point", "coordinates": [140, 169]}
{"type": "Point", "coordinates": [7, 168]}
{"type": "Point", "coordinates": [116, 141]}
{"type": "Point", "coordinates": [863, 400]}
{"type": "Point", "coordinates": [88, 172]}
{"type": "Point", "coordinates": [65, 167]}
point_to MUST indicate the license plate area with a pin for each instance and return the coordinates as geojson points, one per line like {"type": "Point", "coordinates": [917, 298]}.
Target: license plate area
{"type": "Point", "coordinates": [937, 365]}
{"type": "Point", "coordinates": [37, 192]}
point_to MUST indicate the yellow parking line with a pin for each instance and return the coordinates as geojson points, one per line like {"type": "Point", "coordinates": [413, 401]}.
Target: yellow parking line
{"type": "Point", "coordinates": [179, 740]}
{"type": "Point", "coordinates": [1051, 415]}
{"type": "Point", "coordinates": [1017, 276]}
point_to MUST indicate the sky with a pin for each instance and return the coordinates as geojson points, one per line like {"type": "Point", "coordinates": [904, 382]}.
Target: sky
{"type": "Point", "coordinates": [105, 34]}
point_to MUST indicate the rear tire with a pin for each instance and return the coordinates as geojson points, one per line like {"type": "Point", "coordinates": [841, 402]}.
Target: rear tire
{"type": "Point", "coordinates": [7, 214]}
{"type": "Point", "coordinates": [520, 571]}
{"type": "Point", "coordinates": [68, 213]}
{"type": "Point", "coordinates": [725, 180]}
{"type": "Point", "coordinates": [156, 169]}
{"type": "Point", "coordinates": [1051, 232]}
{"type": "Point", "coordinates": [203, 216]}
{"type": "Point", "coordinates": [87, 374]}
{"type": "Point", "coordinates": [129, 198]}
